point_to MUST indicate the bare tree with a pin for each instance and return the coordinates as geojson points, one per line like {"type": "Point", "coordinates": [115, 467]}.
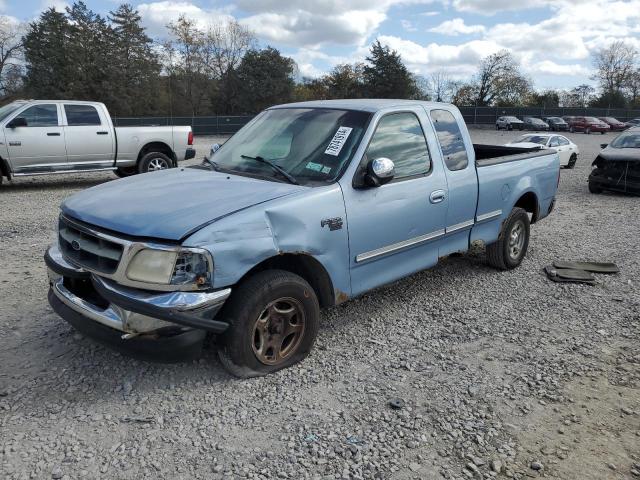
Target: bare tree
{"type": "Point", "coordinates": [185, 61]}
{"type": "Point", "coordinates": [440, 86]}
{"type": "Point", "coordinates": [633, 87]}
{"type": "Point", "coordinates": [583, 94]}
{"type": "Point", "coordinates": [614, 66]}
{"type": "Point", "coordinates": [224, 46]}
{"type": "Point", "coordinates": [11, 55]}
{"type": "Point", "coordinates": [499, 80]}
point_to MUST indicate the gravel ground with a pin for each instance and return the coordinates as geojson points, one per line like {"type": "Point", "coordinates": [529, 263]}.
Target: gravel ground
{"type": "Point", "coordinates": [502, 374]}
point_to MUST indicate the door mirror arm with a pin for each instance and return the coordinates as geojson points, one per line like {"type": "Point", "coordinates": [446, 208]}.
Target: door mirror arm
{"type": "Point", "coordinates": [17, 122]}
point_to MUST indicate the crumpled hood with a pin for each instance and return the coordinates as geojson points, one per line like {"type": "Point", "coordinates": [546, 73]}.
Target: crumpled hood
{"type": "Point", "coordinates": [621, 154]}
{"type": "Point", "coordinates": [170, 204]}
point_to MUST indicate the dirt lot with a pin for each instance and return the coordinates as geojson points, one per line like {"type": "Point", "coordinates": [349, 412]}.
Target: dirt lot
{"type": "Point", "coordinates": [504, 374]}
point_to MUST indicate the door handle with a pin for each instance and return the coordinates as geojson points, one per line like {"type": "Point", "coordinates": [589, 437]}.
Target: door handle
{"type": "Point", "coordinates": [102, 133]}
{"type": "Point", "coordinates": [437, 196]}
{"type": "Point", "coordinates": [53, 134]}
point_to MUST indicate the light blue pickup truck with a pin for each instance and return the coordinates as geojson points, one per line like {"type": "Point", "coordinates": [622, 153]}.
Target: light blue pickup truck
{"type": "Point", "coordinates": [308, 205]}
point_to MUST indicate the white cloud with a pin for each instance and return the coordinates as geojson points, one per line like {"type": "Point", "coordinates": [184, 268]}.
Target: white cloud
{"type": "Point", "coordinates": [59, 5]}
{"type": "Point", "coordinates": [408, 26]}
{"type": "Point", "coordinates": [456, 27]}
{"type": "Point", "coordinates": [430, 13]}
{"type": "Point", "coordinates": [458, 60]}
{"type": "Point", "coordinates": [157, 15]}
{"type": "Point", "coordinates": [491, 7]}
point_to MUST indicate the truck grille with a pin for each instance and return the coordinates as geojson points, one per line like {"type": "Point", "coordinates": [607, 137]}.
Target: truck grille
{"type": "Point", "coordinates": [87, 249]}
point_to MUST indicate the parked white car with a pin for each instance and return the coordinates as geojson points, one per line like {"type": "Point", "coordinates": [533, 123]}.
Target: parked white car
{"type": "Point", "coordinates": [39, 137]}
{"type": "Point", "coordinates": [567, 150]}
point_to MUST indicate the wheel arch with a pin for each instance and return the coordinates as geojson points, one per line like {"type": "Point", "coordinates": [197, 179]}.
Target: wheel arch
{"type": "Point", "coordinates": [307, 267]}
{"type": "Point", "coordinates": [528, 201]}
{"type": "Point", "coordinates": [157, 147]}
{"type": "Point", "coordinates": [5, 170]}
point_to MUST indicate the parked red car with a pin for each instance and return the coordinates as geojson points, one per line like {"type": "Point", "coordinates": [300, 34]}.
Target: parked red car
{"type": "Point", "coordinates": [615, 124]}
{"type": "Point", "coordinates": [587, 125]}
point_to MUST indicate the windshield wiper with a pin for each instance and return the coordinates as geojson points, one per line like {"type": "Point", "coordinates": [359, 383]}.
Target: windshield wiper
{"type": "Point", "coordinates": [277, 168]}
{"type": "Point", "coordinates": [213, 164]}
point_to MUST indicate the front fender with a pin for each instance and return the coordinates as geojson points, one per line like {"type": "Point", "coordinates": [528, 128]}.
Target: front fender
{"type": "Point", "coordinates": [312, 222]}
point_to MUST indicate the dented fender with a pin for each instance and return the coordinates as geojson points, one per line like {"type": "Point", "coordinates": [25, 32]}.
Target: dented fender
{"type": "Point", "coordinates": [311, 222]}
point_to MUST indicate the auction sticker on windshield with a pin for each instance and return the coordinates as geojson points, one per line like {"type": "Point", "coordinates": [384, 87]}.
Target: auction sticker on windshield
{"type": "Point", "coordinates": [338, 141]}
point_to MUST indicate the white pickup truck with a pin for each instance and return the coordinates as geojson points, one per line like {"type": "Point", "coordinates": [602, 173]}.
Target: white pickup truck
{"type": "Point", "coordinates": [40, 137]}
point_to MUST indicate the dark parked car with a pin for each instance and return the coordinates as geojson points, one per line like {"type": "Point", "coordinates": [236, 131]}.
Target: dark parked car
{"type": "Point", "coordinates": [532, 123]}
{"type": "Point", "coordinates": [587, 125]}
{"type": "Point", "coordinates": [634, 122]}
{"type": "Point", "coordinates": [615, 124]}
{"type": "Point", "coordinates": [557, 124]}
{"type": "Point", "coordinates": [617, 167]}
{"type": "Point", "coordinates": [509, 123]}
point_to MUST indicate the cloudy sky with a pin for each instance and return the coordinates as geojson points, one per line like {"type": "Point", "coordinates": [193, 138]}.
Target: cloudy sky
{"type": "Point", "coordinates": [551, 38]}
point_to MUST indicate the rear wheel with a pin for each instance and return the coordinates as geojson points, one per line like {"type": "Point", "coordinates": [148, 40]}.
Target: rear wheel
{"type": "Point", "coordinates": [511, 247]}
{"type": "Point", "coordinates": [154, 161]}
{"type": "Point", "coordinates": [571, 129]}
{"type": "Point", "coordinates": [587, 131]}
{"type": "Point", "coordinates": [572, 161]}
{"type": "Point", "coordinates": [273, 321]}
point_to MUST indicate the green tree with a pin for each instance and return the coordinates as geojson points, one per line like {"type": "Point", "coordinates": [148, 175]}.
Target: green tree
{"type": "Point", "coordinates": [134, 68]}
{"type": "Point", "coordinates": [49, 68]}
{"type": "Point", "coordinates": [499, 81]}
{"type": "Point", "coordinates": [346, 81]}
{"type": "Point", "coordinates": [385, 76]}
{"type": "Point", "coordinates": [265, 78]}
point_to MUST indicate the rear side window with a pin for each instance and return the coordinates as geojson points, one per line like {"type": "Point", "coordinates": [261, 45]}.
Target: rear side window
{"type": "Point", "coordinates": [45, 115]}
{"type": "Point", "coordinates": [81, 115]}
{"type": "Point", "coordinates": [450, 138]}
{"type": "Point", "coordinates": [400, 138]}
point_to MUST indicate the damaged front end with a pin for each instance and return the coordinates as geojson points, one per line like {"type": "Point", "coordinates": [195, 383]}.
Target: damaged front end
{"type": "Point", "coordinates": [620, 174]}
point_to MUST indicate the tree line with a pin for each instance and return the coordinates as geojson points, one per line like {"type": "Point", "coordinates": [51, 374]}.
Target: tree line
{"type": "Point", "coordinates": [220, 70]}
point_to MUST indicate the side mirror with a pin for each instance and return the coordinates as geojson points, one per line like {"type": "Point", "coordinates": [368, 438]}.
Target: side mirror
{"type": "Point", "coordinates": [17, 122]}
{"type": "Point", "coordinates": [379, 171]}
{"type": "Point", "coordinates": [603, 145]}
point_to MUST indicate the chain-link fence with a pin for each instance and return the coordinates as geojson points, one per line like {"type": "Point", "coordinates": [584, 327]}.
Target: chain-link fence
{"type": "Point", "coordinates": [222, 125]}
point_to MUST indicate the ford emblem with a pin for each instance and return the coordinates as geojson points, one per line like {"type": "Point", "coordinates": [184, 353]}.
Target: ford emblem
{"type": "Point", "coordinates": [75, 245]}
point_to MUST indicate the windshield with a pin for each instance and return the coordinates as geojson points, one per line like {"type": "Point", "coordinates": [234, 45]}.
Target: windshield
{"type": "Point", "coordinates": [610, 119]}
{"type": "Point", "coordinates": [532, 139]}
{"type": "Point", "coordinates": [593, 119]}
{"type": "Point", "coordinates": [311, 145]}
{"type": "Point", "coordinates": [555, 120]}
{"type": "Point", "coordinates": [512, 119]}
{"type": "Point", "coordinates": [9, 109]}
{"type": "Point", "coordinates": [626, 140]}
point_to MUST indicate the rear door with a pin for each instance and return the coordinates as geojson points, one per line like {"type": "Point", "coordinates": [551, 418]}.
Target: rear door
{"type": "Point", "coordinates": [40, 145]}
{"type": "Point", "coordinates": [462, 181]}
{"type": "Point", "coordinates": [394, 229]}
{"type": "Point", "coordinates": [89, 136]}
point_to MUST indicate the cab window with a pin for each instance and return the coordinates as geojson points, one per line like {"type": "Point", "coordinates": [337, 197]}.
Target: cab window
{"type": "Point", "coordinates": [399, 137]}
{"type": "Point", "coordinates": [450, 138]}
{"type": "Point", "coordinates": [44, 115]}
{"type": "Point", "coordinates": [81, 115]}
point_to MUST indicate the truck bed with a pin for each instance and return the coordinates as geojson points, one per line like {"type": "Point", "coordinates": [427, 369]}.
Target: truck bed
{"type": "Point", "coordinates": [495, 154]}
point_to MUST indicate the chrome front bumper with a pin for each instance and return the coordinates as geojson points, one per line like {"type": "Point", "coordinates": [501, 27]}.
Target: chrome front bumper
{"type": "Point", "coordinates": [128, 310]}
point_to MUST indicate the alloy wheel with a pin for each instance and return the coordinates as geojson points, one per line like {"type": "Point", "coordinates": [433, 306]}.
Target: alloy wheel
{"type": "Point", "coordinates": [278, 331]}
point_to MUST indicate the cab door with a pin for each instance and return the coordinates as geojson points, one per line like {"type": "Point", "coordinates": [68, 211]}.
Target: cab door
{"type": "Point", "coordinates": [394, 229]}
{"type": "Point", "coordinates": [89, 136]}
{"type": "Point", "coordinates": [39, 145]}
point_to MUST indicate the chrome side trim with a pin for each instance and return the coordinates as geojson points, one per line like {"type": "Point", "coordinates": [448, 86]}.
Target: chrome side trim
{"type": "Point", "coordinates": [488, 216]}
{"type": "Point", "coordinates": [459, 226]}
{"type": "Point", "coordinates": [399, 246]}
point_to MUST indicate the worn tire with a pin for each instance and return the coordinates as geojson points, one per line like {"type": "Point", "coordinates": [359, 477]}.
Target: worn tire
{"type": "Point", "coordinates": [151, 159]}
{"type": "Point", "coordinates": [593, 188]}
{"type": "Point", "coordinates": [123, 172]}
{"type": "Point", "coordinates": [247, 304]}
{"type": "Point", "coordinates": [572, 161]}
{"type": "Point", "coordinates": [498, 253]}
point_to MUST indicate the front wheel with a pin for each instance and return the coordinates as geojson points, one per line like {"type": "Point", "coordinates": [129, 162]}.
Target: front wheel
{"type": "Point", "coordinates": [154, 161]}
{"type": "Point", "coordinates": [273, 322]}
{"type": "Point", "coordinates": [594, 188]}
{"type": "Point", "coordinates": [511, 247]}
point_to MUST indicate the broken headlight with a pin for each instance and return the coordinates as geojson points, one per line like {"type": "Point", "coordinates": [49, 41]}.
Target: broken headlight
{"type": "Point", "coordinates": [181, 267]}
